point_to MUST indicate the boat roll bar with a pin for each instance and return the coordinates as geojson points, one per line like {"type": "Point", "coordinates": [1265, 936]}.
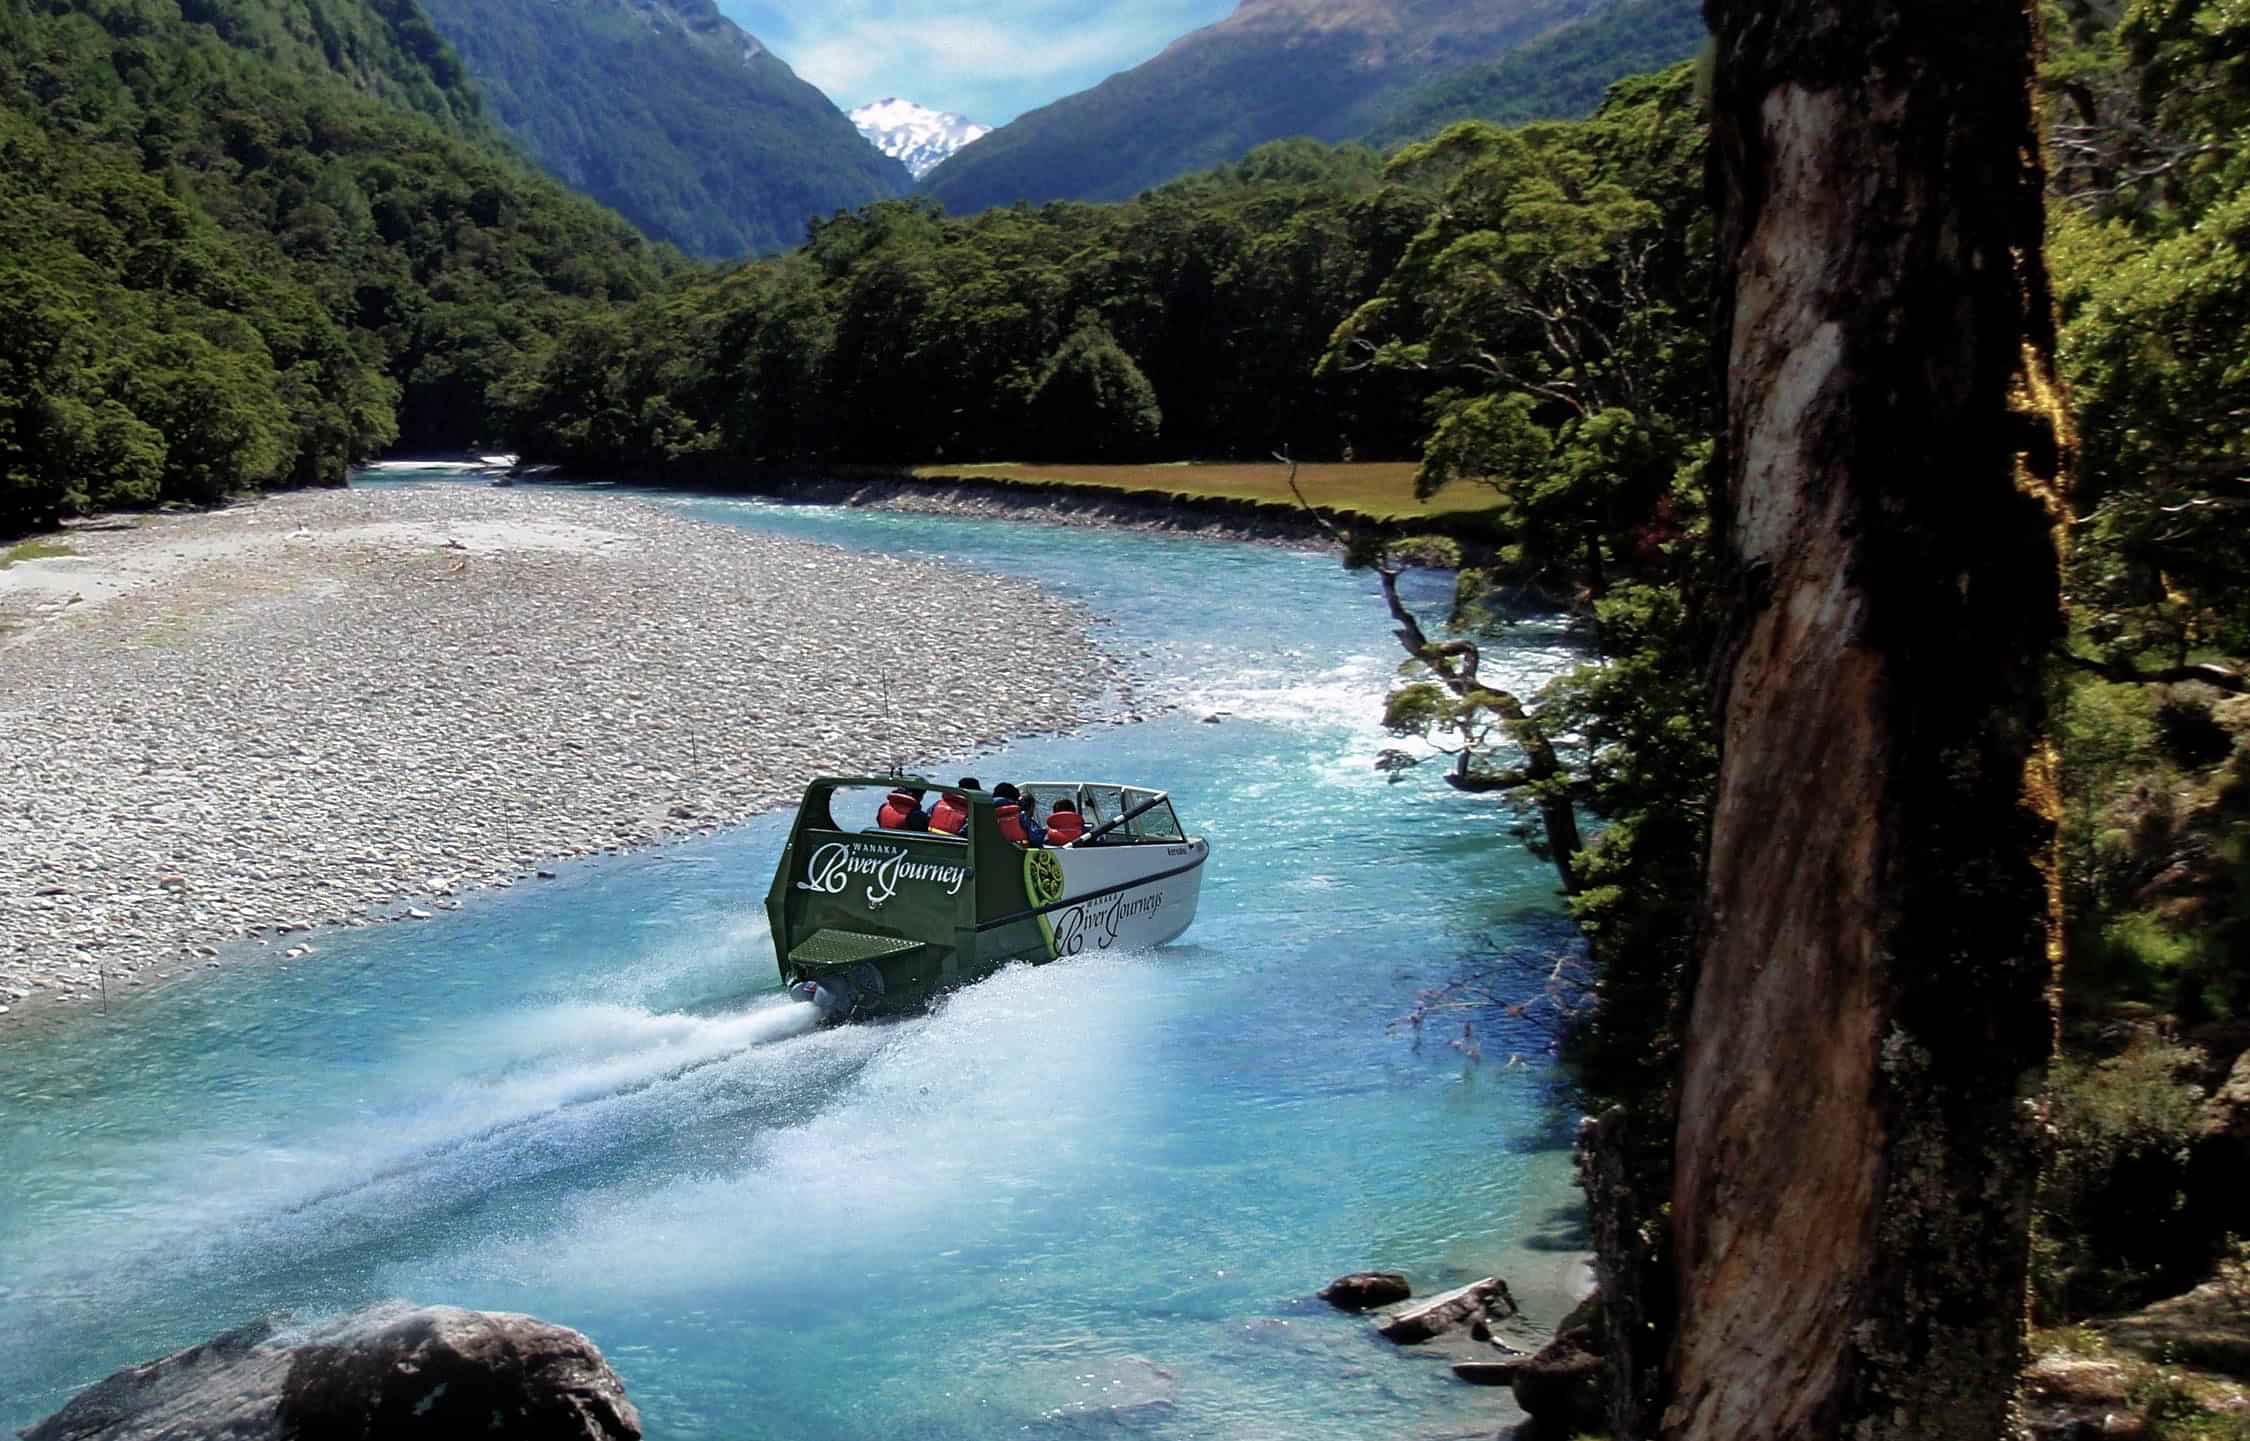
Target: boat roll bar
{"type": "Point", "coordinates": [1132, 815]}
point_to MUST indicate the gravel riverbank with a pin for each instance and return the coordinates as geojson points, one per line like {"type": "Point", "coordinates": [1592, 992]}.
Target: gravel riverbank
{"type": "Point", "coordinates": [348, 706]}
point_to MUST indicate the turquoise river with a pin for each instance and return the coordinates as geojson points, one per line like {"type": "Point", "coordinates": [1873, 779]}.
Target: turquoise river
{"type": "Point", "coordinates": [1076, 1200]}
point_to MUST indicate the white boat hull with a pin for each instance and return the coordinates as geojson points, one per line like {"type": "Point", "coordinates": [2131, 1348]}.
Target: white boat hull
{"type": "Point", "coordinates": [1133, 897]}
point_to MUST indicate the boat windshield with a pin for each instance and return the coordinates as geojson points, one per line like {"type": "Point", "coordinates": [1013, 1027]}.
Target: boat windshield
{"type": "Point", "coordinates": [1149, 812]}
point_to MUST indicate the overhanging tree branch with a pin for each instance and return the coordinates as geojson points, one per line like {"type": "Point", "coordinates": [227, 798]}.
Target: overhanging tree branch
{"type": "Point", "coordinates": [2117, 672]}
{"type": "Point", "coordinates": [1456, 665]}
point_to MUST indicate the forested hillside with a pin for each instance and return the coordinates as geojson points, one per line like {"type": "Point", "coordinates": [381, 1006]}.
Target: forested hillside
{"type": "Point", "coordinates": [255, 242]}
{"type": "Point", "coordinates": [670, 114]}
{"type": "Point", "coordinates": [1556, 77]}
{"type": "Point", "coordinates": [1272, 70]}
{"type": "Point", "coordinates": [1187, 322]}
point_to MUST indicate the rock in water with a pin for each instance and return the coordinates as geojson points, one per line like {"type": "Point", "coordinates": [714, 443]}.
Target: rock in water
{"type": "Point", "coordinates": [1563, 1387]}
{"type": "Point", "coordinates": [392, 1370]}
{"type": "Point", "coordinates": [1488, 1373]}
{"type": "Point", "coordinates": [1441, 1314]}
{"type": "Point", "coordinates": [1365, 1290]}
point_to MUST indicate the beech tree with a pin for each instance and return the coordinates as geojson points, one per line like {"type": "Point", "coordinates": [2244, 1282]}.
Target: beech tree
{"type": "Point", "coordinates": [1869, 1025]}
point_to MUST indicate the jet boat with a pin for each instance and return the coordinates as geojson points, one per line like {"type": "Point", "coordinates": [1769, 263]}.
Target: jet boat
{"type": "Point", "coordinates": [870, 921]}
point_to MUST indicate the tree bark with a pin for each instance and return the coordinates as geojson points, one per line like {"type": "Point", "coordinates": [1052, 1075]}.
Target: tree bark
{"type": "Point", "coordinates": [1871, 1013]}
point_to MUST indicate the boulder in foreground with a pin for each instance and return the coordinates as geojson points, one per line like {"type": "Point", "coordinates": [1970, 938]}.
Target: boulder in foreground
{"type": "Point", "coordinates": [394, 1369]}
{"type": "Point", "coordinates": [1488, 1298]}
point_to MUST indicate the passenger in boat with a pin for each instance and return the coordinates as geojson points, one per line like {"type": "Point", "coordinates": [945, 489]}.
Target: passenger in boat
{"type": "Point", "coordinates": [1018, 823]}
{"type": "Point", "coordinates": [1064, 824]}
{"type": "Point", "coordinates": [951, 816]}
{"type": "Point", "coordinates": [902, 811]}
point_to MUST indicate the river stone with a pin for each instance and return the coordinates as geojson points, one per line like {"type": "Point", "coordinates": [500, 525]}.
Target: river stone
{"type": "Point", "coordinates": [394, 1369]}
{"type": "Point", "coordinates": [1562, 1387]}
{"type": "Point", "coordinates": [1365, 1290]}
{"type": "Point", "coordinates": [1488, 1373]}
{"type": "Point", "coordinates": [1449, 1311]}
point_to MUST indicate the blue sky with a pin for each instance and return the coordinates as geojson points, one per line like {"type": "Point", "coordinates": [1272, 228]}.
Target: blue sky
{"type": "Point", "coordinates": [988, 59]}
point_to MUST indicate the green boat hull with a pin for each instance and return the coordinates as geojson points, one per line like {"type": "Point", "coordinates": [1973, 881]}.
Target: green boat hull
{"type": "Point", "coordinates": [870, 922]}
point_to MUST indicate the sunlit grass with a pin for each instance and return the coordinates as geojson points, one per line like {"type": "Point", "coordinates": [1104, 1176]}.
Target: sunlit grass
{"type": "Point", "coordinates": [1377, 491]}
{"type": "Point", "coordinates": [33, 550]}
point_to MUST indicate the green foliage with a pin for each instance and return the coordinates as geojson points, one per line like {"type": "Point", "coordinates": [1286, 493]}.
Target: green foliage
{"type": "Point", "coordinates": [1187, 319]}
{"type": "Point", "coordinates": [2148, 251]}
{"type": "Point", "coordinates": [1559, 285]}
{"type": "Point", "coordinates": [2106, 736]}
{"type": "Point", "coordinates": [1561, 301]}
{"type": "Point", "coordinates": [2154, 287]}
{"type": "Point", "coordinates": [1649, 763]}
{"type": "Point", "coordinates": [223, 265]}
{"type": "Point", "coordinates": [670, 115]}
{"type": "Point", "coordinates": [2151, 349]}
{"type": "Point", "coordinates": [1093, 401]}
{"type": "Point", "coordinates": [2109, 1216]}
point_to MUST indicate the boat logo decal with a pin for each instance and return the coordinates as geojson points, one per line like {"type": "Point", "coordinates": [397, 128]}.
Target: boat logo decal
{"type": "Point", "coordinates": [1098, 920]}
{"type": "Point", "coordinates": [1042, 878]}
{"type": "Point", "coordinates": [886, 868]}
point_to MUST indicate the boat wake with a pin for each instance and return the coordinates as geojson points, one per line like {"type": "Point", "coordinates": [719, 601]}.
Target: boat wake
{"type": "Point", "coordinates": [553, 1099]}
{"type": "Point", "coordinates": [1011, 1086]}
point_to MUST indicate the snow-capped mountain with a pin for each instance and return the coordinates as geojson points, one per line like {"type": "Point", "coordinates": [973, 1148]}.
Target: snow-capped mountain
{"type": "Point", "coordinates": [915, 134]}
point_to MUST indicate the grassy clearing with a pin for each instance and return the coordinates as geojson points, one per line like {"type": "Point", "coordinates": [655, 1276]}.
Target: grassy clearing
{"type": "Point", "coordinates": [34, 550]}
{"type": "Point", "coordinates": [1375, 491]}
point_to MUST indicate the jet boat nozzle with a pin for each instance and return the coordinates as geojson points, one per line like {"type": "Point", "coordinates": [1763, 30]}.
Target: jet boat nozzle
{"type": "Point", "coordinates": [824, 998]}
{"type": "Point", "coordinates": [838, 995]}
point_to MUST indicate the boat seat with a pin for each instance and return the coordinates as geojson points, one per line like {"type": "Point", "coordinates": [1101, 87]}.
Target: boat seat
{"type": "Point", "coordinates": [1063, 827]}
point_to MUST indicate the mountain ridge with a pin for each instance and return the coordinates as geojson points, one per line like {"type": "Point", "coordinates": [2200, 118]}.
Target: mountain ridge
{"type": "Point", "coordinates": [916, 136]}
{"type": "Point", "coordinates": [671, 114]}
{"type": "Point", "coordinates": [241, 248]}
{"type": "Point", "coordinates": [1269, 70]}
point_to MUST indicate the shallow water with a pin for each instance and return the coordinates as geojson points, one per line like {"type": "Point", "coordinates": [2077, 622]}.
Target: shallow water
{"type": "Point", "coordinates": [1075, 1199]}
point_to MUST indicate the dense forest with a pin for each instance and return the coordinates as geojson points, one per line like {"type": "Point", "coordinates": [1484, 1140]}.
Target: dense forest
{"type": "Point", "coordinates": [1182, 323]}
{"type": "Point", "coordinates": [252, 244]}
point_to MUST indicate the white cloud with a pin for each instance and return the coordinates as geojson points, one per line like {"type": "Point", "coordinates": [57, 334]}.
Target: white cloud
{"type": "Point", "coordinates": [990, 61]}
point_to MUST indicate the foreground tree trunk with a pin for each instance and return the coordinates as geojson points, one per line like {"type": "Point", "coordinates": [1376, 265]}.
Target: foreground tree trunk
{"type": "Point", "coordinates": [1871, 1018]}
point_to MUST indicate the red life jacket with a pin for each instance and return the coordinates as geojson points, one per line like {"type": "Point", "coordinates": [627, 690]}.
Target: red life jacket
{"type": "Point", "coordinates": [1011, 824]}
{"type": "Point", "coordinates": [950, 814]}
{"type": "Point", "coordinates": [1063, 827]}
{"type": "Point", "coordinates": [897, 806]}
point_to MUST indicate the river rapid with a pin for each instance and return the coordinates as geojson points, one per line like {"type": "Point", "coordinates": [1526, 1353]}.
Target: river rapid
{"type": "Point", "coordinates": [1081, 1199]}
